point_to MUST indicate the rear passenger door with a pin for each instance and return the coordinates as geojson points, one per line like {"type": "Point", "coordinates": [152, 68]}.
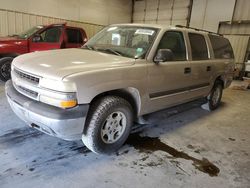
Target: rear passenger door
{"type": "Point", "coordinates": [201, 65]}
{"type": "Point", "coordinates": [74, 38]}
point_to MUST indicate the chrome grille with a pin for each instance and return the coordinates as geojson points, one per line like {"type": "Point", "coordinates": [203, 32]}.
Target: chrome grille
{"type": "Point", "coordinates": [28, 92]}
{"type": "Point", "coordinates": [27, 77]}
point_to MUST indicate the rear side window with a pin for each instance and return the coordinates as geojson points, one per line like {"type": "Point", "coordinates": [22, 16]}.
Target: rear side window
{"type": "Point", "coordinates": [198, 46]}
{"type": "Point", "coordinates": [74, 35]}
{"type": "Point", "coordinates": [174, 41]}
{"type": "Point", "coordinates": [221, 47]}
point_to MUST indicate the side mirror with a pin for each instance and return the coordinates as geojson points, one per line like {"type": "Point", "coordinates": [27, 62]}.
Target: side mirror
{"type": "Point", "coordinates": [37, 38]}
{"type": "Point", "coordinates": [164, 55]}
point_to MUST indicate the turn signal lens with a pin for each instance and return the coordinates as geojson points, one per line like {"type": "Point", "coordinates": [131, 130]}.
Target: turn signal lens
{"type": "Point", "coordinates": [68, 104]}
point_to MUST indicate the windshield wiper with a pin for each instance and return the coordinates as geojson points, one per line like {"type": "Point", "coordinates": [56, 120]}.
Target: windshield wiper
{"type": "Point", "coordinates": [115, 52]}
{"type": "Point", "coordinates": [88, 47]}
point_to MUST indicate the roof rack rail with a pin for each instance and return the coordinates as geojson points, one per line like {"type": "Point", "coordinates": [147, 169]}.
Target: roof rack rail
{"type": "Point", "coordinates": [182, 26]}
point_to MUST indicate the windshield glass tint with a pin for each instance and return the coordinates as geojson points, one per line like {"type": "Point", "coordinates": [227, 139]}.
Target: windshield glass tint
{"type": "Point", "coordinates": [128, 41]}
{"type": "Point", "coordinates": [28, 33]}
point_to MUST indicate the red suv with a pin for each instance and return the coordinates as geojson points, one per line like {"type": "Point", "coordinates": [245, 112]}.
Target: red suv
{"type": "Point", "coordinates": [38, 38]}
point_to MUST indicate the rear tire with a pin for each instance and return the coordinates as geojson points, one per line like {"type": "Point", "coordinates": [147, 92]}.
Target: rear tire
{"type": "Point", "coordinates": [108, 124]}
{"type": "Point", "coordinates": [5, 68]}
{"type": "Point", "coordinates": [214, 98]}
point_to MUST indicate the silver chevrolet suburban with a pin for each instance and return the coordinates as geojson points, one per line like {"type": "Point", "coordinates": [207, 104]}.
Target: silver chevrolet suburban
{"type": "Point", "coordinates": [96, 92]}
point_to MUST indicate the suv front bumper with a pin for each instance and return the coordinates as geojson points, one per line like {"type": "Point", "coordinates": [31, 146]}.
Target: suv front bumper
{"type": "Point", "coordinates": [66, 124]}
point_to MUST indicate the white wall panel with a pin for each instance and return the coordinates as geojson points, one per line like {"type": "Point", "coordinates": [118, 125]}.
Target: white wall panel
{"type": "Point", "coordinates": [239, 44]}
{"type": "Point", "coordinates": [101, 12]}
{"type": "Point", "coordinates": [234, 29]}
{"type": "Point", "coordinates": [242, 10]}
{"type": "Point", "coordinates": [15, 22]}
{"type": "Point", "coordinates": [206, 14]}
{"type": "Point", "coordinates": [161, 11]}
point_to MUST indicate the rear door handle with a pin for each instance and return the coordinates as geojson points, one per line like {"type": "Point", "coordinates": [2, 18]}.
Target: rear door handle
{"type": "Point", "coordinates": [187, 70]}
{"type": "Point", "coordinates": [208, 68]}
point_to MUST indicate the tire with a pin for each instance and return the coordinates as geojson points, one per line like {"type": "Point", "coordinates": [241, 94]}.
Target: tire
{"type": "Point", "coordinates": [248, 74]}
{"type": "Point", "coordinates": [214, 98]}
{"type": "Point", "coordinates": [108, 124]}
{"type": "Point", "coordinates": [5, 68]}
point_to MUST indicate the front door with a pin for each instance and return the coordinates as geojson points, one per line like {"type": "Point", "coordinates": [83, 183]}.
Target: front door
{"type": "Point", "coordinates": [49, 39]}
{"type": "Point", "coordinates": [169, 82]}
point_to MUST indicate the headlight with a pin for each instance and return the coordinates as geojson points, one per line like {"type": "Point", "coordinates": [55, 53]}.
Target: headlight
{"type": "Point", "coordinates": [63, 93]}
{"type": "Point", "coordinates": [57, 85]}
{"type": "Point", "coordinates": [62, 100]}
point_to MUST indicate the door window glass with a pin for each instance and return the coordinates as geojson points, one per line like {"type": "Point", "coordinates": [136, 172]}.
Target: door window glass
{"type": "Point", "coordinates": [174, 41]}
{"type": "Point", "coordinates": [198, 46]}
{"type": "Point", "coordinates": [221, 47]}
{"type": "Point", "coordinates": [51, 35]}
{"type": "Point", "coordinates": [74, 36]}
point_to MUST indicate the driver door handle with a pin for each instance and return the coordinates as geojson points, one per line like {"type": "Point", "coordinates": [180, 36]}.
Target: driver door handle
{"type": "Point", "coordinates": [187, 70]}
{"type": "Point", "coordinates": [208, 68]}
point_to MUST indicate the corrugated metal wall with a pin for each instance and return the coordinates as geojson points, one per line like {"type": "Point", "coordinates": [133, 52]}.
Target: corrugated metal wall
{"type": "Point", "coordinates": [239, 34]}
{"type": "Point", "coordinates": [237, 30]}
{"type": "Point", "coordinates": [229, 28]}
{"type": "Point", "coordinates": [12, 22]}
{"type": "Point", "coordinates": [242, 10]}
{"type": "Point", "coordinates": [207, 14]}
{"type": "Point", "coordinates": [161, 11]}
{"type": "Point", "coordinates": [240, 46]}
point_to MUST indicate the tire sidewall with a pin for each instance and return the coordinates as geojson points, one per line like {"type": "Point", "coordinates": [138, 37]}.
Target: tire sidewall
{"type": "Point", "coordinates": [95, 133]}
{"type": "Point", "coordinates": [210, 97]}
{"type": "Point", "coordinates": [3, 61]}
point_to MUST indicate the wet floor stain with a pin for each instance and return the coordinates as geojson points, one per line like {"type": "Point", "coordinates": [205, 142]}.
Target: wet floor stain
{"type": "Point", "coordinates": [231, 139]}
{"type": "Point", "coordinates": [149, 144]}
{"type": "Point", "coordinates": [17, 136]}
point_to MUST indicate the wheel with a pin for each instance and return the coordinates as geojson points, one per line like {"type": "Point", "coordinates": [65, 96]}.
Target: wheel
{"type": "Point", "coordinates": [248, 74]}
{"type": "Point", "coordinates": [5, 68]}
{"type": "Point", "coordinates": [214, 98]}
{"type": "Point", "coordinates": [108, 125]}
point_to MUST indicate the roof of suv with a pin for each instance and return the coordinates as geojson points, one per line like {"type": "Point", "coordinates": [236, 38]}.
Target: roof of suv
{"type": "Point", "coordinates": [161, 26]}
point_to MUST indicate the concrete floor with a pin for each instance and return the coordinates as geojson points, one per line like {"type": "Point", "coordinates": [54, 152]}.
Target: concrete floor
{"type": "Point", "coordinates": [182, 147]}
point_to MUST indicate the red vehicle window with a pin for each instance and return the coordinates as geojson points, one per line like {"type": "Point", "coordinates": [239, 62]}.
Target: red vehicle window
{"type": "Point", "coordinates": [51, 35]}
{"type": "Point", "coordinates": [74, 35]}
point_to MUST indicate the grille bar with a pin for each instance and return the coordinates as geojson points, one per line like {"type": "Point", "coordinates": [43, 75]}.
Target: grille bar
{"type": "Point", "coordinates": [28, 92]}
{"type": "Point", "coordinates": [27, 77]}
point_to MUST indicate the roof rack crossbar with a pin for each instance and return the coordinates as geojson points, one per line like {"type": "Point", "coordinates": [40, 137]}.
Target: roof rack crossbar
{"type": "Point", "coordinates": [182, 26]}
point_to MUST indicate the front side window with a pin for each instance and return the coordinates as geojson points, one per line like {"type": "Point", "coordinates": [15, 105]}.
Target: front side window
{"type": "Point", "coordinates": [128, 41]}
{"type": "Point", "coordinates": [74, 36]}
{"type": "Point", "coordinates": [221, 47]}
{"type": "Point", "coordinates": [174, 41]}
{"type": "Point", "coordinates": [198, 46]}
{"type": "Point", "coordinates": [51, 35]}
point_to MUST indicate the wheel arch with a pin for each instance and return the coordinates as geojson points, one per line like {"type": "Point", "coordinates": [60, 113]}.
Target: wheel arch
{"type": "Point", "coordinates": [130, 94]}
{"type": "Point", "coordinates": [13, 55]}
{"type": "Point", "coordinates": [221, 80]}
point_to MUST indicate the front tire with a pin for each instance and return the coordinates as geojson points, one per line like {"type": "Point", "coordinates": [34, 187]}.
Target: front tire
{"type": "Point", "coordinates": [214, 98]}
{"type": "Point", "coordinates": [5, 68]}
{"type": "Point", "coordinates": [108, 124]}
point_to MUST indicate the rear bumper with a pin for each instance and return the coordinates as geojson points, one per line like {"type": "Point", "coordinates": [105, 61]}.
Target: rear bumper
{"type": "Point", "coordinates": [66, 124]}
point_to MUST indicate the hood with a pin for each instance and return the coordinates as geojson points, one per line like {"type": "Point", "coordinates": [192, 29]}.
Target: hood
{"type": "Point", "coordinates": [57, 64]}
{"type": "Point", "coordinates": [10, 39]}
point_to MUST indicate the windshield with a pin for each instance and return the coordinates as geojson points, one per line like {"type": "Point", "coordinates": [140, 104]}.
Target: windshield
{"type": "Point", "coordinates": [28, 33]}
{"type": "Point", "coordinates": [128, 41]}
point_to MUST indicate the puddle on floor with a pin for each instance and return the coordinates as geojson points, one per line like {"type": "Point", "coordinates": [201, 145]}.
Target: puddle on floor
{"type": "Point", "coordinates": [149, 144]}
